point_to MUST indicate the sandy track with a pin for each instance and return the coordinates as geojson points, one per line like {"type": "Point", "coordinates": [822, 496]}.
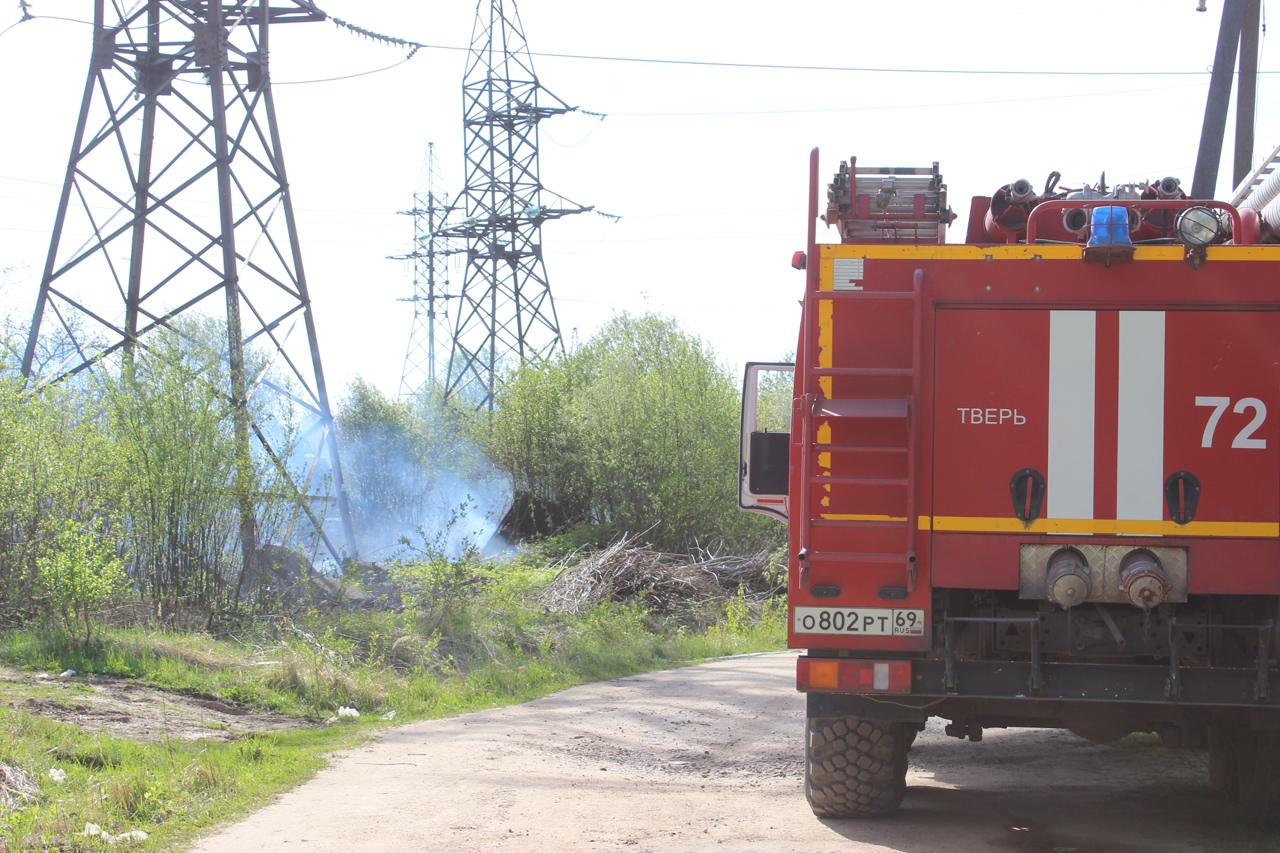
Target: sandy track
{"type": "Point", "coordinates": [707, 758]}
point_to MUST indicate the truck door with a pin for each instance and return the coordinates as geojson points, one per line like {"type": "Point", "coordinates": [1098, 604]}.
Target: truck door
{"type": "Point", "coordinates": [765, 449]}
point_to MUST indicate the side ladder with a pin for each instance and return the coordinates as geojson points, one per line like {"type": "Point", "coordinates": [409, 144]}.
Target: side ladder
{"type": "Point", "coordinates": [820, 408]}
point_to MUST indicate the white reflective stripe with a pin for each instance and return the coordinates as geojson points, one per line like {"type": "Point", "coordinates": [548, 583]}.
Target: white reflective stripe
{"type": "Point", "coordinates": [1140, 426]}
{"type": "Point", "coordinates": [846, 273]}
{"type": "Point", "coordinates": [1072, 377]}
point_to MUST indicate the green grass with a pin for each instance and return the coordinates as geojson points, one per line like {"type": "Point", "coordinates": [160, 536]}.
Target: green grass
{"type": "Point", "coordinates": [171, 790]}
{"type": "Point", "coordinates": [449, 652]}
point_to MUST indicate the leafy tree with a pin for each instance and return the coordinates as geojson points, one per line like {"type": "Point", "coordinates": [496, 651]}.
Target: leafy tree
{"type": "Point", "coordinates": [58, 464]}
{"type": "Point", "coordinates": [173, 423]}
{"type": "Point", "coordinates": [636, 429]}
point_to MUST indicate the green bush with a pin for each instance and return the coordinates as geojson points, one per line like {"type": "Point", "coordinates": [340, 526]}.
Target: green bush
{"type": "Point", "coordinates": [79, 574]}
{"type": "Point", "coordinates": [58, 466]}
{"type": "Point", "coordinates": [636, 431]}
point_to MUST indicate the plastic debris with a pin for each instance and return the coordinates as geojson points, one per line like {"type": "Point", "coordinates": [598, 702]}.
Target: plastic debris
{"type": "Point", "coordinates": [390, 715]}
{"type": "Point", "coordinates": [70, 673]}
{"type": "Point", "coordinates": [57, 775]}
{"type": "Point", "coordinates": [92, 829]}
{"type": "Point", "coordinates": [134, 835]}
{"type": "Point", "coordinates": [344, 711]}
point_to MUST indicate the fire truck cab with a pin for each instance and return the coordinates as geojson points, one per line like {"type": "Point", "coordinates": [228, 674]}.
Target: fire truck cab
{"type": "Point", "coordinates": [1031, 479]}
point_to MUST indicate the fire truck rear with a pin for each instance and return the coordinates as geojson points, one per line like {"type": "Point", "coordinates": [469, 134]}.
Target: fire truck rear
{"type": "Point", "coordinates": [1032, 479]}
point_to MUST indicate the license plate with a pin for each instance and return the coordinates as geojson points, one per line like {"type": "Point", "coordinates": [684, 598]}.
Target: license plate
{"type": "Point", "coordinates": [859, 621]}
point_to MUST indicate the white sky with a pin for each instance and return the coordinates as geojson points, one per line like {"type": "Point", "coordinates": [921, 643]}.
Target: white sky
{"type": "Point", "coordinates": [706, 166]}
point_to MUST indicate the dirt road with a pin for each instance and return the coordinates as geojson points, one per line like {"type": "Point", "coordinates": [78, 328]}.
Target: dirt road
{"type": "Point", "coordinates": [707, 758]}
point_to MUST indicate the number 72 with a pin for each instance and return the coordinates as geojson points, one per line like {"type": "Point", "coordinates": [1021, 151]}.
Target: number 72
{"type": "Point", "coordinates": [1244, 439]}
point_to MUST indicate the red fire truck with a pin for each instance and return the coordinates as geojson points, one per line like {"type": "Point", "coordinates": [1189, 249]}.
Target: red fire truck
{"type": "Point", "coordinates": [1031, 479]}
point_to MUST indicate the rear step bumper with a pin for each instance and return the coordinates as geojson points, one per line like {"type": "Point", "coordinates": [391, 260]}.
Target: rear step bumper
{"type": "Point", "coordinates": [1073, 683]}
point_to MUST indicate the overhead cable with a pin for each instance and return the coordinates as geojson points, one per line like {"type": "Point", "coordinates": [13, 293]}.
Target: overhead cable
{"type": "Point", "coordinates": [399, 42]}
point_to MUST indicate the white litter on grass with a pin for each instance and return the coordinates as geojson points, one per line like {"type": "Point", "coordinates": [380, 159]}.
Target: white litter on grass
{"type": "Point", "coordinates": [57, 775]}
{"type": "Point", "coordinates": [71, 673]}
{"type": "Point", "coordinates": [390, 715]}
{"type": "Point", "coordinates": [135, 835]}
{"type": "Point", "coordinates": [344, 711]}
{"type": "Point", "coordinates": [92, 829]}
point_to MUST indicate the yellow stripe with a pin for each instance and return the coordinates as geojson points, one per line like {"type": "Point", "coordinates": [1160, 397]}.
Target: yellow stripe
{"type": "Point", "coordinates": [1241, 253]}
{"type": "Point", "coordinates": [958, 252]}
{"type": "Point", "coordinates": [1082, 526]}
{"type": "Point", "coordinates": [837, 516]}
{"type": "Point", "coordinates": [826, 336]}
{"type": "Point", "coordinates": [945, 252]}
{"type": "Point", "coordinates": [1108, 527]}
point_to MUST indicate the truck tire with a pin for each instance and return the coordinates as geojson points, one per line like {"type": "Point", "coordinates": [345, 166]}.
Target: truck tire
{"type": "Point", "coordinates": [853, 767]}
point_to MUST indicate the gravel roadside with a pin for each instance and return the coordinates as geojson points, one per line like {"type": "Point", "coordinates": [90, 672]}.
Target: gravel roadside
{"type": "Point", "coordinates": [708, 758]}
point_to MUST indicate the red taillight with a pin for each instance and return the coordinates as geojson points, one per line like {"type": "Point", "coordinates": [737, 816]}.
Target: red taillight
{"type": "Point", "coordinates": [853, 676]}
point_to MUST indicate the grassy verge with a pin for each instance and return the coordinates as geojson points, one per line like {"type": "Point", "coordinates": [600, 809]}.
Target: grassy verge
{"type": "Point", "coordinates": [466, 638]}
{"type": "Point", "coordinates": [171, 790]}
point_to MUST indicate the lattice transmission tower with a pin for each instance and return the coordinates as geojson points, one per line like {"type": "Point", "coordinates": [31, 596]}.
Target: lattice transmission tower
{"type": "Point", "coordinates": [505, 312]}
{"type": "Point", "coordinates": [424, 363]}
{"type": "Point", "coordinates": [176, 204]}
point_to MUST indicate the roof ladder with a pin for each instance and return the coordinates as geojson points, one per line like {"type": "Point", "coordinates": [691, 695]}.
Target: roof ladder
{"type": "Point", "coordinates": [1267, 172]}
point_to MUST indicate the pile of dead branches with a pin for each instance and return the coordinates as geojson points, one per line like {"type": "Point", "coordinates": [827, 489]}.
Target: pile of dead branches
{"type": "Point", "coordinates": [670, 584]}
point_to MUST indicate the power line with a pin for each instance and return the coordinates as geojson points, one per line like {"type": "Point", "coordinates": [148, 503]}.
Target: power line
{"type": "Point", "coordinates": [866, 69]}
{"type": "Point", "coordinates": [14, 24]}
{"type": "Point", "coordinates": [414, 47]}
{"type": "Point", "coordinates": [900, 107]}
{"type": "Point", "coordinates": [392, 40]}
{"type": "Point", "coordinates": [345, 76]}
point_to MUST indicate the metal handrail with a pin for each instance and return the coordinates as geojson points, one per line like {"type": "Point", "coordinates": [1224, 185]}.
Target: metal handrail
{"type": "Point", "coordinates": [1043, 209]}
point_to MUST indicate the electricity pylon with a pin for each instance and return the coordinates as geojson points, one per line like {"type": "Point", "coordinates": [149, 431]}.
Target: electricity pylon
{"type": "Point", "coordinates": [505, 311]}
{"type": "Point", "coordinates": [176, 203]}
{"type": "Point", "coordinates": [423, 365]}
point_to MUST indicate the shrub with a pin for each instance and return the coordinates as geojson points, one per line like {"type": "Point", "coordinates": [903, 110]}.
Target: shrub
{"type": "Point", "coordinates": [79, 574]}
{"type": "Point", "coordinates": [636, 430]}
